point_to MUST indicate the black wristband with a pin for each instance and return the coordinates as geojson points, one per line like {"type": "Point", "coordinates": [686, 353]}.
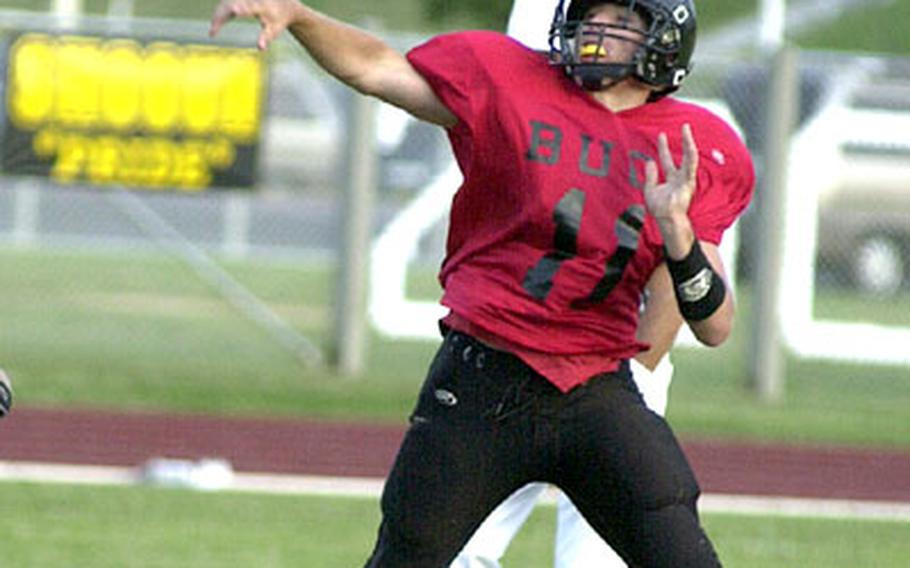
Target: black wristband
{"type": "Point", "coordinates": [6, 399]}
{"type": "Point", "coordinates": [699, 289]}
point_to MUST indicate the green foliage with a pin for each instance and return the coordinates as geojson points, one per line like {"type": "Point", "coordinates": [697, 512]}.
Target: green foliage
{"type": "Point", "coordinates": [490, 14]}
{"type": "Point", "coordinates": [392, 14]}
{"type": "Point", "coordinates": [877, 27]}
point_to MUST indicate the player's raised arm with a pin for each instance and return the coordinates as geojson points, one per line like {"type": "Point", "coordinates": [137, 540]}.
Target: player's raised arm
{"type": "Point", "coordinates": [355, 57]}
{"type": "Point", "coordinates": [696, 268]}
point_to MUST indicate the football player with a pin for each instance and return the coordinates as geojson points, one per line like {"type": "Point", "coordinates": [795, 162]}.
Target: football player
{"type": "Point", "coordinates": [577, 544]}
{"type": "Point", "coordinates": [566, 210]}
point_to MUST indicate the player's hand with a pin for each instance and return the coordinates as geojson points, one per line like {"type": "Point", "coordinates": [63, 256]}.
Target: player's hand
{"type": "Point", "coordinates": [6, 394]}
{"type": "Point", "coordinates": [274, 16]}
{"type": "Point", "coordinates": [670, 200]}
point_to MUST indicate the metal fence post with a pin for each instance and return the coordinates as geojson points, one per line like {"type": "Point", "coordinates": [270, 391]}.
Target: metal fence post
{"type": "Point", "coordinates": [766, 363]}
{"type": "Point", "coordinates": [26, 212]}
{"type": "Point", "coordinates": [357, 219]}
{"type": "Point", "coordinates": [67, 12]}
{"type": "Point", "coordinates": [236, 232]}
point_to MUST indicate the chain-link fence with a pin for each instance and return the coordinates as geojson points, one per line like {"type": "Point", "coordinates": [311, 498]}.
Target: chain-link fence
{"type": "Point", "coordinates": [123, 281]}
{"type": "Point", "coordinates": [846, 249]}
{"type": "Point", "coordinates": [870, 170]}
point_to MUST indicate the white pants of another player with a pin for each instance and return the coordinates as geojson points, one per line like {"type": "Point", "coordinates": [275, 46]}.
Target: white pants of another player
{"type": "Point", "coordinates": [577, 545]}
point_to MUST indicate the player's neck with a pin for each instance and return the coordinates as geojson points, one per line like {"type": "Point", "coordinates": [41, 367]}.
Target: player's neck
{"type": "Point", "coordinates": [623, 96]}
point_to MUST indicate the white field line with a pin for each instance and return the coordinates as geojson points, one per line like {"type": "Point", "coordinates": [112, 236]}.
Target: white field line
{"type": "Point", "coordinates": [372, 487]}
{"type": "Point", "coordinates": [804, 507]}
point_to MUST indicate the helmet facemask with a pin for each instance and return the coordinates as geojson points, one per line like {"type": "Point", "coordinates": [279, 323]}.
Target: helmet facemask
{"type": "Point", "coordinates": [662, 53]}
{"type": "Point", "coordinates": [581, 51]}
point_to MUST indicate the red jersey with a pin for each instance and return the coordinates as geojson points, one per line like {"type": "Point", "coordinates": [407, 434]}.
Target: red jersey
{"type": "Point", "coordinates": [549, 248]}
{"type": "Point", "coordinates": [726, 176]}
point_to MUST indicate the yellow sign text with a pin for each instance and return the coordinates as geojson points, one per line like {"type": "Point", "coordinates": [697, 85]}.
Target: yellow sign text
{"type": "Point", "coordinates": [110, 110]}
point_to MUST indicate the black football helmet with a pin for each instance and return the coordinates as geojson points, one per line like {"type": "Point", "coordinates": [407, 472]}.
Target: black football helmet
{"type": "Point", "coordinates": [665, 47]}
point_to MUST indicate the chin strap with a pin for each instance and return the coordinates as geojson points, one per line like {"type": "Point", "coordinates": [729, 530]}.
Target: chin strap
{"type": "Point", "coordinates": [594, 77]}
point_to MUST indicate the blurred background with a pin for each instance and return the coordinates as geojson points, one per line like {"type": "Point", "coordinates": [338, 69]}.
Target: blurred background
{"type": "Point", "coordinates": [178, 212]}
{"type": "Point", "coordinates": [189, 225]}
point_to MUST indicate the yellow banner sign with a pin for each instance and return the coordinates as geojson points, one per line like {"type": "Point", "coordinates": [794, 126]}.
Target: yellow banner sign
{"type": "Point", "coordinates": [118, 111]}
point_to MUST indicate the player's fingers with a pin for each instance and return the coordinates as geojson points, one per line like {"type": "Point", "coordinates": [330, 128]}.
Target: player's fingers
{"type": "Point", "coordinates": [268, 35]}
{"type": "Point", "coordinates": [651, 174]}
{"type": "Point", "coordinates": [663, 151]}
{"type": "Point", "coordinates": [225, 12]}
{"type": "Point", "coordinates": [222, 15]}
{"type": "Point", "coordinates": [690, 152]}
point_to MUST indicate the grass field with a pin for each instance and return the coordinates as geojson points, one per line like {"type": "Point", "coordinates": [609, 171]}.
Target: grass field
{"type": "Point", "coordinates": [140, 331]}
{"type": "Point", "coordinates": [119, 527]}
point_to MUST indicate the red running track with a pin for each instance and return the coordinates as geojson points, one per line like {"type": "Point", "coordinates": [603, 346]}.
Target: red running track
{"type": "Point", "coordinates": [307, 447]}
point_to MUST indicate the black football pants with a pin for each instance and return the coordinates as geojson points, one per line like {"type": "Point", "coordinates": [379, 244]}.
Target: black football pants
{"type": "Point", "coordinates": [485, 424]}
